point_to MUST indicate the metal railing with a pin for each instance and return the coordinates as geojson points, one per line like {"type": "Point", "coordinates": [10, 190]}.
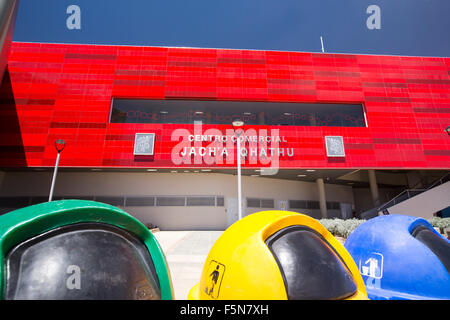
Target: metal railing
{"type": "Point", "coordinates": [404, 195]}
{"type": "Point", "coordinates": [409, 193]}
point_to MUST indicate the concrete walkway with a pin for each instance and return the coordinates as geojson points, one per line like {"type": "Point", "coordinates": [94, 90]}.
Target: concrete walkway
{"type": "Point", "coordinates": [186, 253]}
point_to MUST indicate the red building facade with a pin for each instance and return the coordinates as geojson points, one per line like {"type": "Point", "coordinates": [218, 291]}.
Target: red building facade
{"type": "Point", "coordinates": [65, 91]}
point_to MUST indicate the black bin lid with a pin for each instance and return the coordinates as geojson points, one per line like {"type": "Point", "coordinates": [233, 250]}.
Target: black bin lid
{"type": "Point", "coordinates": [310, 267]}
{"type": "Point", "coordinates": [88, 261]}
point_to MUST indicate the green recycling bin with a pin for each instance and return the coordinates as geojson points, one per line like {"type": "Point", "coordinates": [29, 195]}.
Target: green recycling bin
{"type": "Point", "coordinates": [80, 250]}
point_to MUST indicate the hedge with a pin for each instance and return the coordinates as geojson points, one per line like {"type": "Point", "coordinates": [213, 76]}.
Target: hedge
{"type": "Point", "coordinates": [441, 223]}
{"type": "Point", "coordinates": [340, 227]}
{"type": "Point", "coordinates": [343, 228]}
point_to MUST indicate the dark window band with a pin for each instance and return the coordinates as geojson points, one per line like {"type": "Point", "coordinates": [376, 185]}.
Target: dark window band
{"type": "Point", "coordinates": [224, 112]}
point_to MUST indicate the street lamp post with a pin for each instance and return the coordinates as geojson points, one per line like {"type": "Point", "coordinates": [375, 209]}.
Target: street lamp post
{"type": "Point", "coordinates": [59, 145]}
{"type": "Point", "coordinates": [238, 127]}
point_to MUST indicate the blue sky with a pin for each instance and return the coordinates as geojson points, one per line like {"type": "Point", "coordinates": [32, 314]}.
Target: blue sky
{"type": "Point", "coordinates": [408, 27]}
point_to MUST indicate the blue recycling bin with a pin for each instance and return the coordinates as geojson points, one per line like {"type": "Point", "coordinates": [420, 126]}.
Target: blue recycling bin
{"type": "Point", "coordinates": [401, 257]}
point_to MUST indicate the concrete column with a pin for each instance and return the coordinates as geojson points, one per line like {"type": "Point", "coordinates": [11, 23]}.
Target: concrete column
{"type": "Point", "coordinates": [322, 198]}
{"type": "Point", "coordinates": [374, 187]}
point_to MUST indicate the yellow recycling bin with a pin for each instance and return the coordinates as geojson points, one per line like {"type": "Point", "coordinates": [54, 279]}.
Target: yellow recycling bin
{"type": "Point", "coordinates": [278, 255]}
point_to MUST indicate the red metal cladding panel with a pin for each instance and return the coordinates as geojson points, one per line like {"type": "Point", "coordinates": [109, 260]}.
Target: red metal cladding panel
{"type": "Point", "coordinates": [60, 91]}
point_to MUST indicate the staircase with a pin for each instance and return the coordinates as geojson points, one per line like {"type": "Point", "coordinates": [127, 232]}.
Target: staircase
{"type": "Point", "coordinates": [416, 202]}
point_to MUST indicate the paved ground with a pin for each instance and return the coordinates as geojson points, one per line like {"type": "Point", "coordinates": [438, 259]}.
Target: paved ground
{"type": "Point", "coordinates": [186, 253]}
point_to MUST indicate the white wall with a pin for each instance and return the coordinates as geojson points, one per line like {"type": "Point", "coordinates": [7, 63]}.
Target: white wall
{"type": "Point", "coordinates": [151, 183]}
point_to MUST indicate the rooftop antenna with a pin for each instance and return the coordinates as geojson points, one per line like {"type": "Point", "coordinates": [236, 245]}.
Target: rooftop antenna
{"type": "Point", "coordinates": [321, 42]}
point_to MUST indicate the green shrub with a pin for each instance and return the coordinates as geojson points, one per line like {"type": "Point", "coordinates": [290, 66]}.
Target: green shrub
{"type": "Point", "coordinates": [440, 223]}
{"type": "Point", "coordinates": [339, 227]}
{"type": "Point", "coordinates": [343, 228]}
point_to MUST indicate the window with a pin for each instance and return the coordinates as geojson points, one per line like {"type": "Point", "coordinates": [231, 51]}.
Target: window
{"type": "Point", "coordinates": [313, 204]}
{"type": "Point", "coordinates": [114, 201]}
{"type": "Point", "coordinates": [201, 201]}
{"type": "Point", "coordinates": [220, 201]}
{"type": "Point", "coordinates": [333, 206]}
{"type": "Point", "coordinates": [267, 203]}
{"type": "Point", "coordinates": [253, 203]}
{"type": "Point", "coordinates": [297, 204]}
{"type": "Point", "coordinates": [260, 203]}
{"type": "Point", "coordinates": [224, 112]}
{"type": "Point", "coordinates": [12, 203]}
{"type": "Point", "coordinates": [171, 201]}
{"type": "Point", "coordinates": [140, 201]}
{"type": "Point", "coordinates": [306, 204]}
